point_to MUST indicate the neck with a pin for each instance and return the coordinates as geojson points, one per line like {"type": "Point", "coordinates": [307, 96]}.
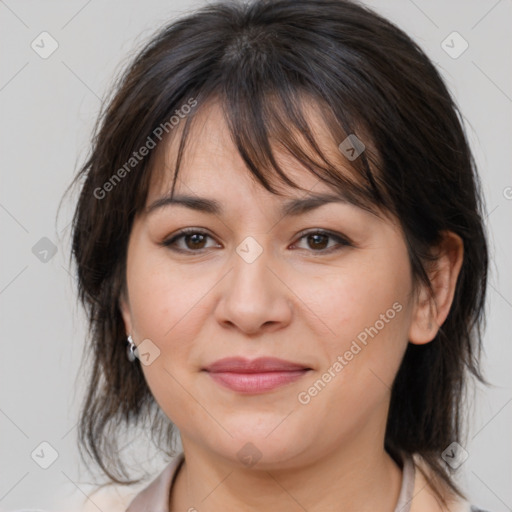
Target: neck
{"type": "Point", "coordinates": [355, 477]}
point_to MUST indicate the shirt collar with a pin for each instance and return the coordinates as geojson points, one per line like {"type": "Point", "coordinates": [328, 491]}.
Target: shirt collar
{"type": "Point", "coordinates": [155, 497]}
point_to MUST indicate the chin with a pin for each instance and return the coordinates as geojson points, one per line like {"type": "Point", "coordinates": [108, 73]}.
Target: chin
{"type": "Point", "coordinates": [259, 450]}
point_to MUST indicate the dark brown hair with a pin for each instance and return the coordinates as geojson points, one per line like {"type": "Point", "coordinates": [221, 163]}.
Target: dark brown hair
{"type": "Point", "coordinates": [262, 60]}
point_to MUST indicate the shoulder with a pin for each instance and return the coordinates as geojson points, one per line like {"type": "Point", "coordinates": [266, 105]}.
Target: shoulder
{"type": "Point", "coordinates": [156, 495]}
{"type": "Point", "coordinates": [118, 498]}
{"type": "Point", "coordinates": [112, 498]}
{"type": "Point", "coordinates": [425, 497]}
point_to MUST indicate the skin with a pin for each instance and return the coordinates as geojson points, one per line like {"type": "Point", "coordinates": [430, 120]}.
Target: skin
{"type": "Point", "coordinates": [296, 301]}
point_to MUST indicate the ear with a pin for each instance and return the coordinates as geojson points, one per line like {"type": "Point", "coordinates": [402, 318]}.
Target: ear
{"type": "Point", "coordinates": [124, 307]}
{"type": "Point", "coordinates": [430, 311]}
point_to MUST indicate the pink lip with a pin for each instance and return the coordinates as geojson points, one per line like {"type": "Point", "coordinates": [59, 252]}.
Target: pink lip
{"type": "Point", "coordinates": [255, 376]}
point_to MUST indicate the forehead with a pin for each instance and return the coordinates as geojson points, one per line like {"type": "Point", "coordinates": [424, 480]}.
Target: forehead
{"type": "Point", "coordinates": [211, 161]}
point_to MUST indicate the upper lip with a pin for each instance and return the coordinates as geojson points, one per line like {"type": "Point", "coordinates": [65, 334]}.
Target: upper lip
{"type": "Point", "coordinates": [259, 365]}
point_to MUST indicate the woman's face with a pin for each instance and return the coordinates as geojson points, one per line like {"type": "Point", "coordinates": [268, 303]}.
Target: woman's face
{"type": "Point", "coordinates": [258, 283]}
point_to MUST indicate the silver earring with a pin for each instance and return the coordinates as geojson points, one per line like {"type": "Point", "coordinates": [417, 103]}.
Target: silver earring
{"type": "Point", "coordinates": [130, 350]}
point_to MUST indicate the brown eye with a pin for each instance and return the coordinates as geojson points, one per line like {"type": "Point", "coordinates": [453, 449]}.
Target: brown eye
{"type": "Point", "coordinates": [318, 241]}
{"type": "Point", "coordinates": [193, 241]}
{"type": "Point", "coordinates": [196, 241]}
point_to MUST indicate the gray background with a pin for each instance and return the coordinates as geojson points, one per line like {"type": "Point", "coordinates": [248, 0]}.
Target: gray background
{"type": "Point", "coordinates": [48, 109]}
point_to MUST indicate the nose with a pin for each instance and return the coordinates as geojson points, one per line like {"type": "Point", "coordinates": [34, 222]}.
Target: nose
{"type": "Point", "coordinates": [254, 297]}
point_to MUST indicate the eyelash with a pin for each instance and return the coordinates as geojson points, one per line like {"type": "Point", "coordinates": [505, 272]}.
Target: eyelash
{"type": "Point", "coordinates": [341, 240]}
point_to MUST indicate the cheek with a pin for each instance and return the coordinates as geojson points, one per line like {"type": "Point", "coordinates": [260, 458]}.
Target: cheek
{"type": "Point", "coordinates": [169, 306]}
{"type": "Point", "coordinates": [351, 300]}
{"type": "Point", "coordinates": [366, 310]}
{"type": "Point", "coordinates": [161, 297]}
{"type": "Point", "coordinates": [165, 307]}
{"type": "Point", "coordinates": [363, 352]}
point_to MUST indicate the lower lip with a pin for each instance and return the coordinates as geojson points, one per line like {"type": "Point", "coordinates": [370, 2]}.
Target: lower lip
{"type": "Point", "coordinates": [256, 382]}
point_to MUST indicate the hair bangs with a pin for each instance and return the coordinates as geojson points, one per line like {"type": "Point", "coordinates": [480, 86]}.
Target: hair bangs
{"type": "Point", "coordinates": [289, 122]}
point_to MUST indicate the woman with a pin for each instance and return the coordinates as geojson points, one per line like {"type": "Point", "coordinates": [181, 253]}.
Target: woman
{"type": "Point", "coordinates": [281, 214]}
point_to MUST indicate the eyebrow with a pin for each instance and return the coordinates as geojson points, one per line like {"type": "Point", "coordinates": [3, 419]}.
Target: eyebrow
{"type": "Point", "coordinates": [293, 207]}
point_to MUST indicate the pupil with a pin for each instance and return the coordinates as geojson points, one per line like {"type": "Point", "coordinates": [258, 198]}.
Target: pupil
{"type": "Point", "coordinates": [319, 236]}
{"type": "Point", "coordinates": [195, 239]}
